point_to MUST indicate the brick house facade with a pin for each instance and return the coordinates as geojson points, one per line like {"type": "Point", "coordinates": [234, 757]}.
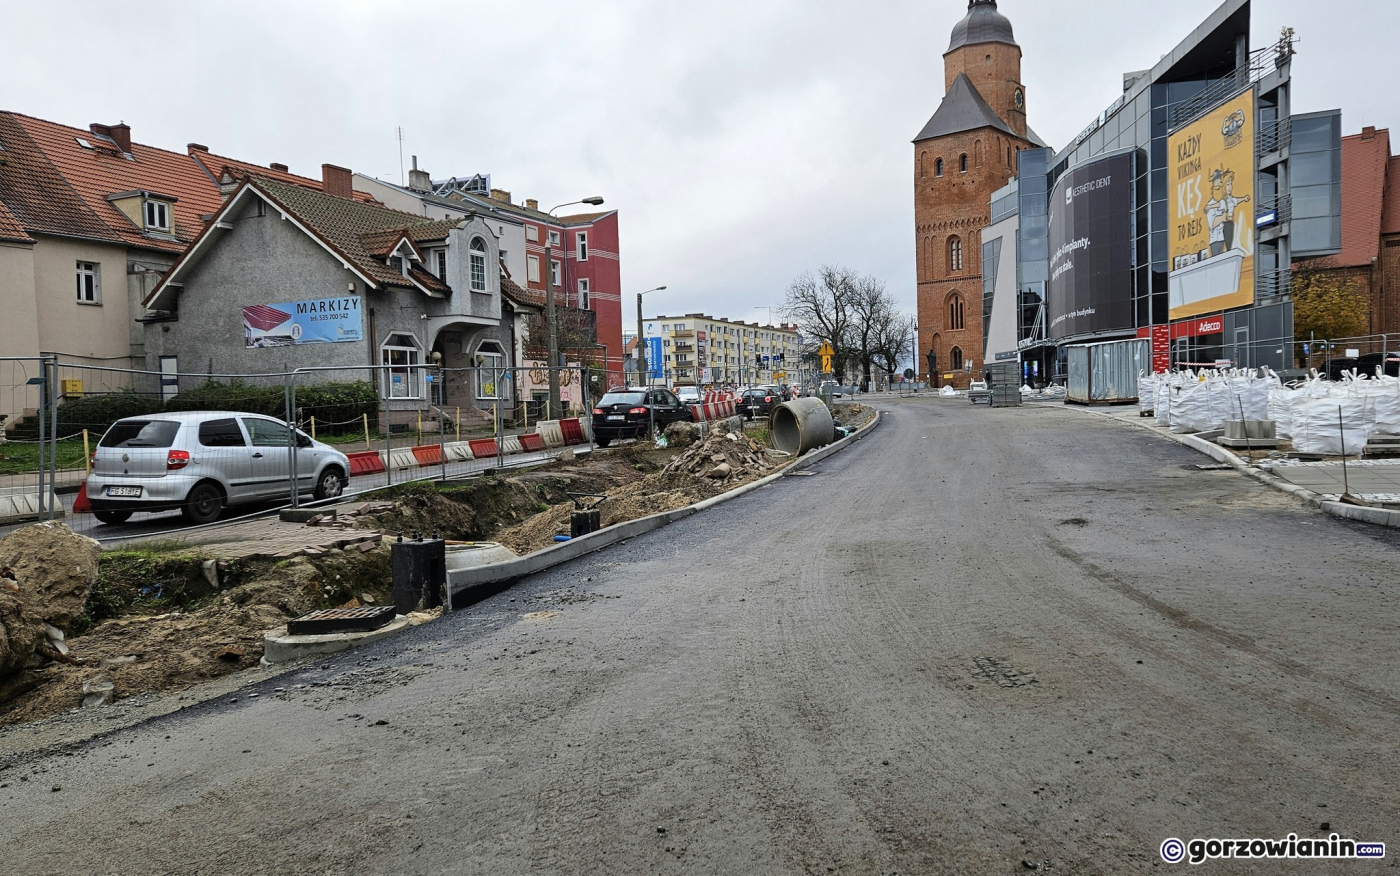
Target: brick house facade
{"type": "Point", "coordinates": [965, 153]}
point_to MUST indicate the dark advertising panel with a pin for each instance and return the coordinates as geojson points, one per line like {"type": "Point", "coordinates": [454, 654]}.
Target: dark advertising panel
{"type": "Point", "coordinates": [1091, 249]}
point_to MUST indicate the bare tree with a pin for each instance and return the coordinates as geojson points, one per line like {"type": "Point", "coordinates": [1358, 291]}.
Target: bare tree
{"type": "Point", "coordinates": [872, 308]}
{"type": "Point", "coordinates": [894, 338]}
{"type": "Point", "coordinates": [820, 305]}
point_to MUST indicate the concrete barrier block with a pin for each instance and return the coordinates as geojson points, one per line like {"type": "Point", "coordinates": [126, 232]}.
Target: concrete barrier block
{"type": "Point", "coordinates": [402, 457]}
{"type": "Point", "coordinates": [511, 444]}
{"type": "Point", "coordinates": [458, 451]}
{"type": "Point", "coordinates": [551, 433]}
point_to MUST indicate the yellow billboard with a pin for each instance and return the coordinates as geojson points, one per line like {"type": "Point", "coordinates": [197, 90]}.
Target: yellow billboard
{"type": "Point", "coordinates": [1211, 167]}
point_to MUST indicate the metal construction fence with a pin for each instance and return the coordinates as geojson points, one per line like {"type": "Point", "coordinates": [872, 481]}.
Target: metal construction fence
{"type": "Point", "coordinates": [192, 448]}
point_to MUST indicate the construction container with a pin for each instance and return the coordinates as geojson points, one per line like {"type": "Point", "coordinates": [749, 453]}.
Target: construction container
{"type": "Point", "coordinates": [1107, 373]}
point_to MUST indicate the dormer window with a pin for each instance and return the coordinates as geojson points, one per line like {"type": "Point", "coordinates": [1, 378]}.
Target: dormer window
{"type": "Point", "coordinates": [157, 216]}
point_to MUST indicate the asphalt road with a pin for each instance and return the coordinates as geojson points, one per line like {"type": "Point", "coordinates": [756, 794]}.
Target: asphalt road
{"type": "Point", "coordinates": [977, 640]}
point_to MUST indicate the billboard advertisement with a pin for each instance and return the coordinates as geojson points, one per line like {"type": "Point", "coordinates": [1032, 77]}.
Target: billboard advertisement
{"type": "Point", "coordinates": [311, 321]}
{"type": "Point", "coordinates": [1091, 249]}
{"type": "Point", "coordinates": [1211, 233]}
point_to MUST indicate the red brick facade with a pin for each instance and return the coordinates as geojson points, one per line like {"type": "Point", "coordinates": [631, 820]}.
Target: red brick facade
{"type": "Point", "coordinates": [951, 208]}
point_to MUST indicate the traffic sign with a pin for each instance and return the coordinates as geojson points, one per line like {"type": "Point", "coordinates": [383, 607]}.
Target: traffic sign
{"type": "Point", "coordinates": [909, 373]}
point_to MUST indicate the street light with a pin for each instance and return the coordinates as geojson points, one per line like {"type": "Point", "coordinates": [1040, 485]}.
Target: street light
{"type": "Point", "coordinates": [549, 308]}
{"type": "Point", "coordinates": [642, 357]}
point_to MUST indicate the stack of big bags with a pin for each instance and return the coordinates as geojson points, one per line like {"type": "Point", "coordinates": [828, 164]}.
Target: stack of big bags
{"type": "Point", "coordinates": [1315, 415]}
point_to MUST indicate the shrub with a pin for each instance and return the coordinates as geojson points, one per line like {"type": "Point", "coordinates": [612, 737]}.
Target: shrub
{"type": "Point", "coordinates": [327, 402]}
{"type": "Point", "coordinates": [96, 412]}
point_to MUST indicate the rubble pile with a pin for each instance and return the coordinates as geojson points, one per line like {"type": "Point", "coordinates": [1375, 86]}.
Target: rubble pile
{"type": "Point", "coordinates": [721, 456]}
{"type": "Point", "coordinates": [46, 573]}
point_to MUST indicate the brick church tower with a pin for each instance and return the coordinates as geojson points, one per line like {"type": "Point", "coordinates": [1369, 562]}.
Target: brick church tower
{"type": "Point", "coordinates": [965, 152]}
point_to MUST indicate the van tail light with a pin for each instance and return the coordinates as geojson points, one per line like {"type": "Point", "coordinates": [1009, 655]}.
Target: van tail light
{"type": "Point", "coordinates": [598, 412]}
{"type": "Point", "coordinates": [638, 411]}
{"type": "Point", "coordinates": [177, 459]}
{"type": "Point", "coordinates": [767, 398]}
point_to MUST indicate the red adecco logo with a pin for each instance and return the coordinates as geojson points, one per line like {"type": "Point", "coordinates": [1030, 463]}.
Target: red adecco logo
{"type": "Point", "coordinates": [1209, 326]}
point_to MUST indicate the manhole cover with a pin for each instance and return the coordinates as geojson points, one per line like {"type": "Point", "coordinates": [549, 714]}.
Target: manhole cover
{"type": "Point", "coordinates": [999, 671]}
{"type": "Point", "coordinates": [341, 620]}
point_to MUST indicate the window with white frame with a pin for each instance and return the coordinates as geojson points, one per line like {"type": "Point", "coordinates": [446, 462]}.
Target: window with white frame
{"type": "Point", "coordinates": [555, 273]}
{"type": "Point", "coordinates": [441, 255]}
{"type": "Point", "coordinates": [553, 238]}
{"type": "Point", "coordinates": [89, 283]}
{"type": "Point", "coordinates": [490, 375]}
{"type": "Point", "coordinates": [532, 233]}
{"type": "Point", "coordinates": [403, 372]}
{"type": "Point", "coordinates": [157, 216]}
{"type": "Point", "coordinates": [478, 265]}
{"type": "Point", "coordinates": [583, 294]}
{"type": "Point", "coordinates": [581, 241]}
{"type": "Point", "coordinates": [532, 268]}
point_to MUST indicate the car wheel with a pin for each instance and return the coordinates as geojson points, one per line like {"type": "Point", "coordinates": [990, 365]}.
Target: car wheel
{"type": "Point", "coordinates": [204, 504]}
{"type": "Point", "coordinates": [604, 442]}
{"type": "Point", "coordinates": [112, 516]}
{"type": "Point", "coordinates": [330, 484]}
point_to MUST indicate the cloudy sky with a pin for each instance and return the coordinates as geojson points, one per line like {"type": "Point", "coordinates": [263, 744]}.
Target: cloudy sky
{"type": "Point", "coordinates": [743, 141]}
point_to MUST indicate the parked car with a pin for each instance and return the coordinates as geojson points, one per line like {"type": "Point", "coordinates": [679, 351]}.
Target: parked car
{"type": "Point", "coordinates": [758, 401]}
{"type": "Point", "coordinates": [689, 395]}
{"type": "Point", "coordinates": [202, 461]}
{"type": "Point", "coordinates": [631, 413]}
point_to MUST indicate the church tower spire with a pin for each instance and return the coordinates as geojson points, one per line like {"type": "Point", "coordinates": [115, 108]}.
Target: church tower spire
{"type": "Point", "coordinates": [984, 47]}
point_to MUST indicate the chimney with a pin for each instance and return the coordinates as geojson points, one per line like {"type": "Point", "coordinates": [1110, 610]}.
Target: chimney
{"type": "Point", "coordinates": [336, 181]}
{"type": "Point", "coordinates": [419, 180]}
{"type": "Point", "coordinates": [279, 167]}
{"type": "Point", "coordinates": [119, 133]}
{"type": "Point", "coordinates": [532, 204]}
{"type": "Point", "coordinates": [196, 147]}
{"type": "Point", "coordinates": [500, 195]}
{"type": "Point", "coordinates": [1368, 132]}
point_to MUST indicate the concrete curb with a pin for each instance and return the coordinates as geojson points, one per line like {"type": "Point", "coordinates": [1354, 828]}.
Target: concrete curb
{"type": "Point", "coordinates": [482, 577]}
{"type": "Point", "coordinates": [280, 647]}
{"type": "Point", "coordinates": [1376, 516]}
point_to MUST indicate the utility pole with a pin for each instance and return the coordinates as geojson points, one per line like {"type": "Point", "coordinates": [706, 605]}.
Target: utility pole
{"type": "Point", "coordinates": [642, 374]}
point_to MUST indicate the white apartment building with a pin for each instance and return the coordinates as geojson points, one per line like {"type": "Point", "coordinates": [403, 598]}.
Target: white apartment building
{"type": "Point", "coordinates": [702, 350]}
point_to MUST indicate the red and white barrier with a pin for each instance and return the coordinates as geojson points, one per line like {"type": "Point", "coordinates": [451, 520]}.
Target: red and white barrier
{"type": "Point", "coordinates": [714, 406]}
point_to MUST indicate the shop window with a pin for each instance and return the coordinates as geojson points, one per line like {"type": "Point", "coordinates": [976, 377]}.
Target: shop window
{"type": "Point", "coordinates": [403, 372]}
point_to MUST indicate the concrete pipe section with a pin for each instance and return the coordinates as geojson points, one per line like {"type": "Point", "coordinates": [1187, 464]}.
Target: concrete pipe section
{"type": "Point", "coordinates": [801, 425]}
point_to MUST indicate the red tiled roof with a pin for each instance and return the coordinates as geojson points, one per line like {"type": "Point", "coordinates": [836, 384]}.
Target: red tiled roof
{"type": "Point", "coordinates": [1390, 215]}
{"type": "Point", "coordinates": [1365, 159]}
{"type": "Point", "coordinates": [93, 174]}
{"type": "Point", "coordinates": [524, 297]}
{"type": "Point", "coordinates": [36, 195]}
{"type": "Point", "coordinates": [10, 229]}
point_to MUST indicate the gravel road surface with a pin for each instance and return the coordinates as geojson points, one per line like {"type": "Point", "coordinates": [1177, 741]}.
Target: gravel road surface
{"type": "Point", "coordinates": [977, 642]}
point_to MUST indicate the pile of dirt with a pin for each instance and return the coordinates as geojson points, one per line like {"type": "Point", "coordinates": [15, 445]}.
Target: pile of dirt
{"type": "Point", "coordinates": [719, 462]}
{"type": "Point", "coordinates": [46, 574]}
{"type": "Point", "coordinates": [157, 631]}
{"type": "Point", "coordinates": [853, 415]}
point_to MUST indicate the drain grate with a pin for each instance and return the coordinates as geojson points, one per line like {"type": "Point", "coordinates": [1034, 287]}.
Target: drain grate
{"type": "Point", "coordinates": [341, 620]}
{"type": "Point", "coordinates": [999, 671]}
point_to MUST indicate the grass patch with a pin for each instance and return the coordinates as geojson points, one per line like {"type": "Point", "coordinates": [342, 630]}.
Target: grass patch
{"type": "Point", "coordinates": [19, 458]}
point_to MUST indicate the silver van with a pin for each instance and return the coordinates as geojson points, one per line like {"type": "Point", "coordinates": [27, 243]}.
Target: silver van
{"type": "Point", "coordinates": [201, 461]}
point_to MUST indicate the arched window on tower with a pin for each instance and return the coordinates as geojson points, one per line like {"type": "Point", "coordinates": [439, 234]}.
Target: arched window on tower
{"type": "Point", "coordinates": [962, 163]}
{"type": "Point", "coordinates": [955, 254]}
{"type": "Point", "coordinates": [955, 359]}
{"type": "Point", "coordinates": [955, 313]}
{"type": "Point", "coordinates": [938, 167]}
{"type": "Point", "coordinates": [922, 157]}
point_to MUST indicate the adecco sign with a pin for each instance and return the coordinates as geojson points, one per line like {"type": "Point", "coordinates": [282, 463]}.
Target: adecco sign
{"type": "Point", "coordinates": [1192, 328]}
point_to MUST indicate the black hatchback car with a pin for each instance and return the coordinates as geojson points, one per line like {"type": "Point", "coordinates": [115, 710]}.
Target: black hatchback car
{"type": "Point", "coordinates": [758, 401]}
{"type": "Point", "coordinates": [631, 413]}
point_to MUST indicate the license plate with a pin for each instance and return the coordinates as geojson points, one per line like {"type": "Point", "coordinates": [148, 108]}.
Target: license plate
{"type": "Point", "coordinates": [617, 417]}
{"type": "Point", "coordinates": [124, 491]}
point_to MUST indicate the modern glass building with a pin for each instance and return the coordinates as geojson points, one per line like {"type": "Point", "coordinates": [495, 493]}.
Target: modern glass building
{"type": "Point", "coordinates": [1222, 188]}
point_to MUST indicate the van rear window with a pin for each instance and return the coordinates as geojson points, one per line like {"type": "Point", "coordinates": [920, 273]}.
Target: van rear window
{"type": "Point", "coordinates": [141, 433]}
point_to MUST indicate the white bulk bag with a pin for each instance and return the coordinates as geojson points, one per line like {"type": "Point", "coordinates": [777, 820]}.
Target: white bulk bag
{"type": "Point", "coordinates": [1327, 419]}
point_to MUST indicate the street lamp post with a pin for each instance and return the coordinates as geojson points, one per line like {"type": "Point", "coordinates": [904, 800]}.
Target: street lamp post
{"type": "Point", "coordinates": [641, 341]}
{"type": "Point", "coordinates": [550, 316]}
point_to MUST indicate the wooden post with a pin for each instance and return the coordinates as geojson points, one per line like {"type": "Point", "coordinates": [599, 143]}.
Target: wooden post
{"type": "Point", "coordinates": [313, 428]}
{"type": "Point", "coordinates": [87, 453]}
{"type": "Point", "coordinates": [420, 428]}
{"type": "Point", "coordinates": [366, 420]}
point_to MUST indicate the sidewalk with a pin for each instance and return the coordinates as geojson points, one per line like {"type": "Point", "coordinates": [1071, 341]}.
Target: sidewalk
{"type": "Point", "coordinates": [1319, 484]}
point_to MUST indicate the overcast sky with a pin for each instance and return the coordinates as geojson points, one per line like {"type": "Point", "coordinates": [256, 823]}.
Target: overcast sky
{"type": "Point", "coordinates": [743, 141]}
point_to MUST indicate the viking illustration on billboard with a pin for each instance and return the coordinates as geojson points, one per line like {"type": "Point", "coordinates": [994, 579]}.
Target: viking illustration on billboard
{"type": "Point", "coordinates": [1212, 230]}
